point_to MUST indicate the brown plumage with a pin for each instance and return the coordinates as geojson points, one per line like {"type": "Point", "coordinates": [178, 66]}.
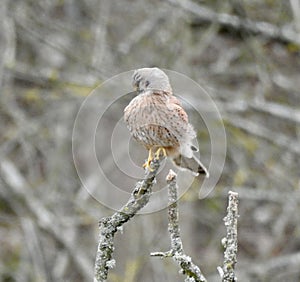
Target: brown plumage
{"type": "Point", "coordinates": [157, 120]}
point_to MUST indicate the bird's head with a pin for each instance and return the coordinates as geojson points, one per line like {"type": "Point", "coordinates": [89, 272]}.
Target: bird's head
{"type": "Point", "coordinates": [151, 78]}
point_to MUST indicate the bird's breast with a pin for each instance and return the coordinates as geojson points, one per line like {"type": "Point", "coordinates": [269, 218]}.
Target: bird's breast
{"type": "Point", "coordinates": [147, 119]}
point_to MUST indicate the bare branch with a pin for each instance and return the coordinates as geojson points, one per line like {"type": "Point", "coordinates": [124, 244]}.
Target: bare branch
{"type": "Point", "coordinates": [273, 265]}
{"type": "Point", "coordinates": [271, 108]}
{"type": "Point", "coordinates": [272, 195]}
{"type": "Point", "coordinates": [100, 29]}
{"type": "Point", "coordinates": [43, 77]}
{"type": "Point", "coordinates": [31, 31]}
{"type": "Point", "coordinates": [33, 245]}
{"type": "Point", "coordinates": [140, 32]}
{"type": "Point", "coordinates": [188, 268]}
{"type": "Point", "coordinates": [8, 40]}
{"type": "Point", "coordinates": [230, 242]}
{"type": "Point", "coordinates": [295, 6]}
{"type": "Point", "coordinates": [251, 127]}
{"type": "Point", "coordinates": [44, 218]}
{"type": "Point", "coordinates": [278, 110]}
{"type": "Point", "coordinates": [110, 225]}
{"type": "Point", "coordinates": [237, 23]}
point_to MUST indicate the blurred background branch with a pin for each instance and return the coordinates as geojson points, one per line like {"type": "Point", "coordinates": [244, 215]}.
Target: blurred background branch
{"type": "Point", "coordinates": [239, 24]}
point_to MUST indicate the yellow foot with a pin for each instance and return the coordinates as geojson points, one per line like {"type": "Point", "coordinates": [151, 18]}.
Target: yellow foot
{"type": "Point", "coordinates": [146, 165]}
{"type": "Point", "coordinates": [160, 151]}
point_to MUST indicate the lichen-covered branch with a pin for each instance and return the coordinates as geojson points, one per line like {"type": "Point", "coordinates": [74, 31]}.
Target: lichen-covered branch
{"type": "Point", "coordinates": [110, 225]}
{"type": "Point", "coordinates": [188, 268]}
{"type": "Point", "coordinates": [230, 242]}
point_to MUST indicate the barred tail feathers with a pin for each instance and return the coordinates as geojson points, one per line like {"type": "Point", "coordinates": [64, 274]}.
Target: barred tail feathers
{"type": "Point", "coordinates": [192, 164]}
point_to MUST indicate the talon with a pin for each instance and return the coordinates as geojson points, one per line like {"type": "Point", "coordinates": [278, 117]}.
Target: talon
{"type": "Point", "coordinates": [159, 152]}
{"type": "Point", "coordinates": [146, 165]}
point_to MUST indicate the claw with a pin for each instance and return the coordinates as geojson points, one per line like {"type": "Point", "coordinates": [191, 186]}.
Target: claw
{"type": "Point", "coordinates": [160, 151]}
{"type": "Point", "coordinates": [146, 165]}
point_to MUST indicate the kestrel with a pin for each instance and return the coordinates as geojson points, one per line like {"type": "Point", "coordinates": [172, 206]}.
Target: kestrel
{"type": "Point", "coordinates": [156, 119]}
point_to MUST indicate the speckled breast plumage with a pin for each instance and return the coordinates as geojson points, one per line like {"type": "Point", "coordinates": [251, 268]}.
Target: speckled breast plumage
{"type": "Point", "coordinates": [156, 119]}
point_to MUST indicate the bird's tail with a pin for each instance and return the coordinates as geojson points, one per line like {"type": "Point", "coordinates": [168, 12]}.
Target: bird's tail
{"type": "Point", "coordinates": [192, 164]}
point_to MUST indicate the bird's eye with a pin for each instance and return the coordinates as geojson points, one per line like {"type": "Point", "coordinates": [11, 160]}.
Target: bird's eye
{"type": "Point", "coordinates": [147, 83]}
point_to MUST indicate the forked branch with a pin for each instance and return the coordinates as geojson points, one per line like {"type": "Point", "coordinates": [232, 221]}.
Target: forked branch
{"type": "Point", "coordinates": [187, 267]}
{"type": "Point", "coordinates": [108, 226]}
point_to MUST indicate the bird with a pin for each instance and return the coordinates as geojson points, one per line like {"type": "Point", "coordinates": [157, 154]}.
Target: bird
{"type": "Point", "coordinates": [157, 120]}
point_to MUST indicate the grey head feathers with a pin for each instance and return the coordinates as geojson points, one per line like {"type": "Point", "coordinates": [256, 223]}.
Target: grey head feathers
{"type": "Point", "coordinates": [151, 78]}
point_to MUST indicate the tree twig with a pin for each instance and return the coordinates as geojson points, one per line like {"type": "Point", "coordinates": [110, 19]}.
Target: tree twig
{"type": "Point", "coordinates": [265, 29]}
{"type": "Point", "coordinates": [230, 242]}
{"type": "Point", "coordinates": [188, 268]}
{"type": "Point", "coordinates": [108, 226]}
{"type": "Point", "coordinates": [259, 130]}
{"type": "Point", "coordinates": [273, 265]}
{"type": "Point", "coordinates": [20, 188]}
{"type": "Point", "coordinates": [141, 31]}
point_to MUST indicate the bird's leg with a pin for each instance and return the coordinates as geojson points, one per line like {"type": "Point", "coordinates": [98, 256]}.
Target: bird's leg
{"type": "Point", "coordinates": [146, 165]}
{"type": "Point", "coordinates": [160, 150]}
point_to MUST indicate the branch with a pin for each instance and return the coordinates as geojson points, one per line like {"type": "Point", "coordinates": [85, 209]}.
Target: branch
{"type": "Point", "coordinates": [237, 23]}
{"type": "Point", "coordinates": [108, 226]}
{"type": "Point", "coordinates": [45, 219]}
{"type": "Point", "coordinates": [259, 130]}
{"type": "Point", "coordinates": [277, 110]}
{"type": "Point", "coordinates": [29, 28]}
{"type": "Point", "coordinates": [43, 77]}
{"type": "Point", "coordinates": [141, 31]}
{"type": "Point", "coordinates": [230, 243]}
{"type": "Point", "coordinates": [188, 268]}
{"type": "Point", "coordinates": [274, 265]}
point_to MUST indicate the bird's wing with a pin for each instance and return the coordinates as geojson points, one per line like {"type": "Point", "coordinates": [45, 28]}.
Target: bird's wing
{"type": "Point", "coordinates": [175, 106]}
{"type": "Point", "coordinates": [181, 126]}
